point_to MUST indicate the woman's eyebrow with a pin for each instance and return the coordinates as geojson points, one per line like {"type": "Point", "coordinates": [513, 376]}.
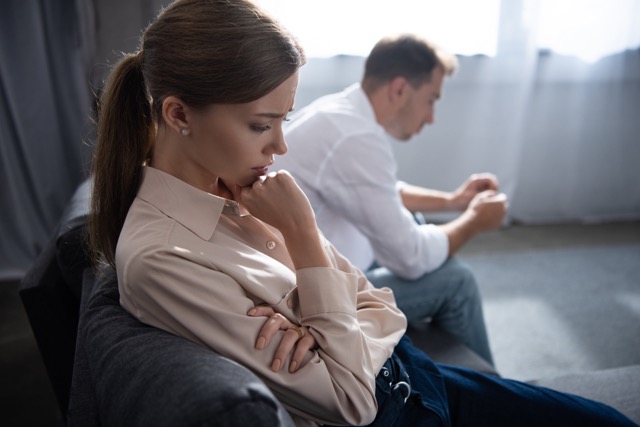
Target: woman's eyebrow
{"type": "Point", "coordinates": [270, 115]}
{"type": "Point", "coordinates": [273, 115]}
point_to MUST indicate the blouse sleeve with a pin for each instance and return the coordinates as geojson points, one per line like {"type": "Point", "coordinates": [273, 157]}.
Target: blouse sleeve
{"type": "Point", "coordinates": [356, 325]}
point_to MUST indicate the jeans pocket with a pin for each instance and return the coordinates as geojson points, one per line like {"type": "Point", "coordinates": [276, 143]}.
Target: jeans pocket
{"type": "Point", "coordinates": [392, 393]}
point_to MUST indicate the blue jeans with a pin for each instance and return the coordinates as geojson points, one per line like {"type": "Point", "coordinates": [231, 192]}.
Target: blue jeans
{"type": "Point", "coordinates": [413, 391]}
{"type": "Point", "coordinates": [449, 296]}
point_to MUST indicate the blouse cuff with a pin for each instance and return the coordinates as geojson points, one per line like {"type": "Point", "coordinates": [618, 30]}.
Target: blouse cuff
{"type": "Point", "coordinates": [326, 290]}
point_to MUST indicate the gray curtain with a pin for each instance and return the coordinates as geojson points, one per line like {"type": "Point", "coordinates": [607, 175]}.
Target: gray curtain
{"type": "Point", "coordinates": [46, 103]}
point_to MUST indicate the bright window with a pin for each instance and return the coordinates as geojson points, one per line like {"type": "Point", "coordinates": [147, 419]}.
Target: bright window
{"type": "Point", "coordinates": [588, 29]}
{"type": "Point", "coordinates": [331, 27]}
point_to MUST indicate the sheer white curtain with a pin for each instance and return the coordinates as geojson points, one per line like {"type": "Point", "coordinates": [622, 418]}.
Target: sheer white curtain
{"type": "Point", "coordinates": [333, 27]}
{"type": "Point", "coordinates": [547, 95]}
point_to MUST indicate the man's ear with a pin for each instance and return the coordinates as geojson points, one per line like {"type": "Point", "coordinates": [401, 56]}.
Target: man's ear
{"type": "Point", "coordinates": [174, 114]}
{"type": "Point", "coordinates": [397, 90]}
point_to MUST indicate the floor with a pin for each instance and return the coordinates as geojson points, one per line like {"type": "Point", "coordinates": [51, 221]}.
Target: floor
{"type": "Point", "coordinates": [560, 299]}
{"type": "Point", "coordinates": [26, 397]}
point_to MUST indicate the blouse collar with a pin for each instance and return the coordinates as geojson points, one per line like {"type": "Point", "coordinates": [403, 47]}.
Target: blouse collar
{"type": "Point", "coordinates": [197, 210]}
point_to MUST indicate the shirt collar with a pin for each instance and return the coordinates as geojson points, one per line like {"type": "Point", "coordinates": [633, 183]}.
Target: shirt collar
{"type": "Point", "coordinates": [197, 210]}
{"type": "Point", "coordinates": [360, 101]}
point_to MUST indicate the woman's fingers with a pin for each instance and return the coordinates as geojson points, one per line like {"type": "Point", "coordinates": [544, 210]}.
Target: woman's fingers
{"type": "Point", "coordinates": [261, 310]}
{"type": "Point", "coordinates": [296, 340]}
{"type": "Point", "coordinates": [265, 198]}
{"type": "Point", "coordinates": [287, 343]}
{"type": "Point", "coordinates": [270, 327]}
{"type": "Point", "coordinates": [304, 344]}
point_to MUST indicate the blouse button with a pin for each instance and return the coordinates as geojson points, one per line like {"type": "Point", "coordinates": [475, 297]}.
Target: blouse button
{"type": "Point", "coordinates": [271, 245]}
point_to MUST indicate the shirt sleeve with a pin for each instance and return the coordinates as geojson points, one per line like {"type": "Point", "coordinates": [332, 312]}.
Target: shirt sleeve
{"type": "Point", "coordinates": [358, 180]}
{"type": "Point", "coordinates": [356, 325]}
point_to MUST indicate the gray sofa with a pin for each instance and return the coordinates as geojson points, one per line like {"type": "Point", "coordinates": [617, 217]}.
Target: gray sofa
{"type": "Point", "coordinates": [108, 369]}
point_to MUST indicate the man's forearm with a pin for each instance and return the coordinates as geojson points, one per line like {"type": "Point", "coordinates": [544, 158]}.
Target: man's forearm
{"type": "Point", "coordinates": [460, 231]}
{"type": "Point", "coordinates": [420, 199]}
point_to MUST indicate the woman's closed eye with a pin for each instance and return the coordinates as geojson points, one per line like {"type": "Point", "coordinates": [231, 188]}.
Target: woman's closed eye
{"type": "Point", "coordinates": [263, 128]}
{"type": "Point", "coordinates": [260, 128]}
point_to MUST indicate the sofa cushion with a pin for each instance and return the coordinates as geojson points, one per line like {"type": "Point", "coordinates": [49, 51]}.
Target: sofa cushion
{"type": "Point", "coordinates": [445, 348]}
{"type": "Point", "coordinates": [617, 387]}
{"type": "Point", "coordinates": [144, 376]}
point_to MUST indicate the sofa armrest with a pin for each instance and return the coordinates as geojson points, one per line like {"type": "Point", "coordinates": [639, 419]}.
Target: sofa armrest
{"type": "Point", "coordinates": [53, 316]}
{"type": "Point", "coordinates": [71, 238]}
{"type": "Point", "coordinates": [144, 376]}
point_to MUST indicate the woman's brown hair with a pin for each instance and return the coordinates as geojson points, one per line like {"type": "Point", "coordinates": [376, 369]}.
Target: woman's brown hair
{"type": "Point", "coordinates": [201, 51]}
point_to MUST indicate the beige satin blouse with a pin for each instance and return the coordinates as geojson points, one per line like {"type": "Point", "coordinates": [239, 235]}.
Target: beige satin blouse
{"type": "Point", "coordinates": [193, 267]}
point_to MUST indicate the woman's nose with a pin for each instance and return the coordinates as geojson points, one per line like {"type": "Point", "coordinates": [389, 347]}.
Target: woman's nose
{"type": "Point", "coordinates": [279, 144]}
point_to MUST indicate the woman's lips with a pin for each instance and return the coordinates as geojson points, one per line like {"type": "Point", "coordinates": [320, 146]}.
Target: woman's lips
{"type": "Point", "coordinates": [261, 170]}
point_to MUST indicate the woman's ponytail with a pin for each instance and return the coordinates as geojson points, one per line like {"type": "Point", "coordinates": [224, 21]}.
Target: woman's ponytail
{"type": "Point", "coordinates": [124, 139]}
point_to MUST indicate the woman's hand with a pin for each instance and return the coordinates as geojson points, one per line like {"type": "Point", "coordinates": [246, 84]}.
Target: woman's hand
{"type": "Point", "coordinates": [278, 201]}
{"type": "Point", "coordinates": [296, 338]}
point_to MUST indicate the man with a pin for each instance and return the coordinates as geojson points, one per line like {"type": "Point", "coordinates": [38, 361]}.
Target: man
{"type": "Point", "coordinates": [340, 154]}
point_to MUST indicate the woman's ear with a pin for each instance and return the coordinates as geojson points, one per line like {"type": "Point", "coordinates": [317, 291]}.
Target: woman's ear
{"type": "Point", "coordinates": [174, 115]}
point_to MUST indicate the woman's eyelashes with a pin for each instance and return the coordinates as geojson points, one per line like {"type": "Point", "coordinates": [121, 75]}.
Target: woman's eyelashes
{"type": "Point", "coordinates": [263, 128]}
{"type": "Point", "coordinates": [260, 128]}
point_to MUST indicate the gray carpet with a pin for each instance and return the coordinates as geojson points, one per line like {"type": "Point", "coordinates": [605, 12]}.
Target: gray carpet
{"type": "Point", "coordinates": [560, 299]}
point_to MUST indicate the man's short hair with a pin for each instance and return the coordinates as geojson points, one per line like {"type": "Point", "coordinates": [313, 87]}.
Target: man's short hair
{"type": "Point", "coordinates": [408, 56]}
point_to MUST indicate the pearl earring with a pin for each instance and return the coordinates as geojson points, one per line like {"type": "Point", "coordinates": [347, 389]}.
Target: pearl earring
{"type": "Point", "coordinates": [184, 131]}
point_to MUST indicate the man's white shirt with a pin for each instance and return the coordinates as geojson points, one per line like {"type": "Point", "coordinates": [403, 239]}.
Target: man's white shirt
{"type": "Point", "coordinates": [344, 162]}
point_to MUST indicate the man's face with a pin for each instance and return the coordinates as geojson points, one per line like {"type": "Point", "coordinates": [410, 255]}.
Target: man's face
{"type": "Point", "coordinates": [417, 107]}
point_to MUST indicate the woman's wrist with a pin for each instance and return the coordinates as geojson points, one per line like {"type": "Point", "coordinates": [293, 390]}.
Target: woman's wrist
{"type": "Point", "coordinates": [306, 248]}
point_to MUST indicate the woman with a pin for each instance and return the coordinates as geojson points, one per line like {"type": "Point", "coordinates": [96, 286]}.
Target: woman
{"type": "Point", "coordinates": [210, 245]}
